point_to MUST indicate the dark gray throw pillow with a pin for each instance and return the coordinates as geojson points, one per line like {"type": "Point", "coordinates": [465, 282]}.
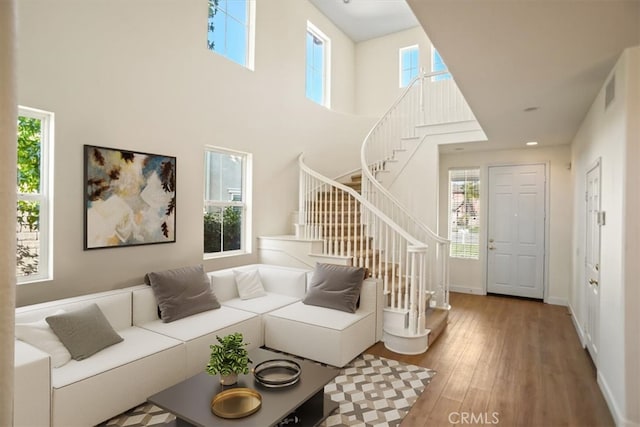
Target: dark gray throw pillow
{"type": "Point", "coordinates": [182, 292]}
{"type": "Point", "coordinates": [335, 286]}
{"type": "Point", "coordinates": [84, 332]}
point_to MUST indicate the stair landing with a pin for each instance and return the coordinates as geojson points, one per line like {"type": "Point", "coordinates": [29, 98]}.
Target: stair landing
{"type": "Point", "coordinates": [399, 341]}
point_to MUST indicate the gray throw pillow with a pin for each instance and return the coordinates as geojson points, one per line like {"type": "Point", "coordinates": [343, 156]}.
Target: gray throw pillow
{"type": "Point", "coordinates": [335, 286]}
{"type": "Point", "coordinates": [182, 292]}
{"type": "Point", "coordinates": [83, 332]}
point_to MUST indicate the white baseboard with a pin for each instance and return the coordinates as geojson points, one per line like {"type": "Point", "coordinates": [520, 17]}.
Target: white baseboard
{"type": "Point", "coordinates": [576, 324]}
{"type": "Point", "coordinates": [466, 290]}
{"type": "Point", "coordinates": [618, 416]}
{"type": "Point", "coordinates": [557, 301]}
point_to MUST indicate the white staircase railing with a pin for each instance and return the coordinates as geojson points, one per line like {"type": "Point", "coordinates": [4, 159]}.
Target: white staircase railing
{"type": "Point", "coordinates": [378, 149]}
{"type": "Point", "coordinates": [351, 226]}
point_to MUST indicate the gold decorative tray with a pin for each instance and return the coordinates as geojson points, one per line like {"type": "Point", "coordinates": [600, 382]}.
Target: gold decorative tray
{"type": "Point", "coordinates": [236, 403]}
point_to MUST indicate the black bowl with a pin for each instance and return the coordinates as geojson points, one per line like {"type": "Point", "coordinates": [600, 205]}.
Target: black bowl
{"type": "Point", "coordinates": [277, 373]}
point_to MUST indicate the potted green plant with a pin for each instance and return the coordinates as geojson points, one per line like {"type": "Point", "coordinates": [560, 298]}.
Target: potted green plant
{"type": "Point", "coordinates": [229, 358]}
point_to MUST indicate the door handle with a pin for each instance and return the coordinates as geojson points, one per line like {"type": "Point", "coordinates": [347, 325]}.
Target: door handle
{"type": "Point", "coordinates": [491, 247]}
{"type": "Point", "coordinates": [593, 282]}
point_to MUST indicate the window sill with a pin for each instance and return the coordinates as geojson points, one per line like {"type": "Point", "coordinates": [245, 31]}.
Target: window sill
{"type": "Point", "coordinates": [34, 280]}
{"type": "Point", "coordinates": [218, 255]}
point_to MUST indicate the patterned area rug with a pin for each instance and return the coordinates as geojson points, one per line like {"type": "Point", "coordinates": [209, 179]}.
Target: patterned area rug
{"type": "Point", "coordinates": [371, 391]}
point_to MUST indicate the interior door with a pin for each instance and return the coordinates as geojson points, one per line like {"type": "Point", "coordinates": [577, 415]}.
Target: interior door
{"type": "Point", "coordinates": [516, 230]}
{"type": "Point", "coordinates": [595, 220]}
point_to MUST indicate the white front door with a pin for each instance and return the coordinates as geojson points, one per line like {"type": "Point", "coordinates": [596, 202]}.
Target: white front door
{"type": "Point", "coordinates": [516, 230]}
{"type": "Point", "coordinates": [592, 261]}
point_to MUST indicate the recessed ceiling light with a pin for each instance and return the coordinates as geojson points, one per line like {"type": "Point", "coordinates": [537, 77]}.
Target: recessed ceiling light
{"type": "Point", "coordinates": [532, 143]}
{"type": "Point", "coordinates": [529, 109]}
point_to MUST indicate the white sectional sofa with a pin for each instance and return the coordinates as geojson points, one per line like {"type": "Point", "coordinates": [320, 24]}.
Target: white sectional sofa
{"type": "Point", "coordinates": [332, 337]}
{"type": "Point", "coordinates": [155, 355]}
{"type": "Point", "coordinates": [198, 331]}
{"type": "Point", "coordinates": [283, 286]}
{"type": "Point", "coordinates": [86, 392]}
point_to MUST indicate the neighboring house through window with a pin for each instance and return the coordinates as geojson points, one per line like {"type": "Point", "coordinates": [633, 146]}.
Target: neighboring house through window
{"type": "Point", "coordinates": [231, 30]}
{"type": "Point", "coordinates": [409, 64]}
{"type": "Point", "coordinates": [464, 210]}
{"type": "Point", "coordinates": [318, 66]}
{"type": "Point", "coordinates": [227, 195]}
{"type": "Point", "coordinates": [437, 64]}
{"type": "Point", "coordinates": [34, 195]}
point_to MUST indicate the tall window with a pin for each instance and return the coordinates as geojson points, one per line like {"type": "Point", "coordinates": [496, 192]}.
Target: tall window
{"type": "Point", "coordinates": [318, 54]}
{"type": "Point", "coordinates": [34, 190]}
{"type": "Point", "coordinates": [409, 64]}
{"type": "Point", "coordinates": [464, 205]}
{"type": "Point", "coordinates": [231, 30]}
{"type": "Point", "coordinates": [437, 64]}
{"type": "Point", "coordinates": [227, 216]}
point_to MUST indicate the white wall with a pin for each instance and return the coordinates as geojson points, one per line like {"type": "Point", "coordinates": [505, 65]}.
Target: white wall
{"type": "Point", "coordinates": [470, 275]}
{"type": "Point", "coordinates": [8, 114]}
{"type": "Point", "coordinates": [377, 68]}
{"type": "Point", "coordinates": [137, 75]}
{"type": "Point", "coordinates": [612, 135]}
{"type": "Point", "coordinates": [414, 181]}
{"type": "Point", "coordinates": [632, 240]}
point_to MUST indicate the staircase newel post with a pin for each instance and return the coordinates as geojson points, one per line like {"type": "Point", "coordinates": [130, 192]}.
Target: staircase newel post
{"type": "Point", "coordinates": [417, 288]}
{"type": "Point", "coordinates": [301, 204]}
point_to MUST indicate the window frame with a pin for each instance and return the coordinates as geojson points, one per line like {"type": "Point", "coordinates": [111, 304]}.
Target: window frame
{"type": "Point", "coordinates": [246, 233]}
{"type": "Point", "coordinates": [470, 253]}
{"type": "Point", "coordinates": [249, 25]}
{"type": "Point", "coordinates": [44, 197]}
{"type": "Point", "coordinates": [326, 65]}
{"type": "Point", "coordinates": [446, 76]}
{"type": "Point", "coordinates": [401, 67]}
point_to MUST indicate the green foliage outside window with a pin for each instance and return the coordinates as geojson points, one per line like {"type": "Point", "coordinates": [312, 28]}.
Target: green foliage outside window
{"type": "Point", "coordinates": [213, 9]}
{"type": "Point", "coordinates": [223, 230]}
{"type": "Point", "coordinates": [28, 182]}
{"type": "Point", "coordinates": [464, 230]}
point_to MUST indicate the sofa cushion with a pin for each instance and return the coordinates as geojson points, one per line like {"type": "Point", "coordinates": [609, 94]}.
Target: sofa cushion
{"type": "Point", "coordinates": [249, 284]}
{"type": "Point", "coordinates": [335, 286]}
{"type": "Point", "coordinates": [83, 332]}
{"type": "Point", "coordinates": [274, 278]}
{"type": "Point", "coordinates": [182, 292]}
{"type": "Point", "coordinates": [269, 302]}
{"type": "Point", "coordinates": [319, 316]}
{"type": "Point", "coordinates": [40, 335]}
{"type": "Point", "coordinates": [114, 304]}
{"type": "Point", "coordinates": [200, 324]}
{"type": "Point", "coordinates": [138, 344]}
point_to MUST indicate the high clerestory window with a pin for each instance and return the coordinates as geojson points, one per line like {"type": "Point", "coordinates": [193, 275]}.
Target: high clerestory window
{"type": "Point", "coordinates": [227, 196]}
{"type": "Point", "coordinates": [34, 196]}
{"type": "Point", "coordinates": [231, 30]}
{"type": "Point", "coordinates": [409, 64]}
{"type": "Point", "coordinates": [437, 64]}
{"type": "Point", "coordinates": [318, 66]}
{"type": "Point", "coordinates": [464, 211]}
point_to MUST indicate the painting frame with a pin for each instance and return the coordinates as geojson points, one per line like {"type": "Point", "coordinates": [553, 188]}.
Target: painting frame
{"type": "Point", "coordinates": [129, 198]}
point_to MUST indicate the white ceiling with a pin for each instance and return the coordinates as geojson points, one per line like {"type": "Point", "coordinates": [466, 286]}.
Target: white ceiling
{"type": "Point", "coordinates": [509, 55]}
{"type": "Point", "coordinates": [367, 19]}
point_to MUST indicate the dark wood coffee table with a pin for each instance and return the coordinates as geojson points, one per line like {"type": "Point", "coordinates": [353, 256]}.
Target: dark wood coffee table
{"type": "Point", "coordinates": [190, 400]}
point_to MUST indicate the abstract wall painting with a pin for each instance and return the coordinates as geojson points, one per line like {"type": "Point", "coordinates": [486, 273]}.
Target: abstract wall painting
{"type": "Point", "coordinates": [129, 198]}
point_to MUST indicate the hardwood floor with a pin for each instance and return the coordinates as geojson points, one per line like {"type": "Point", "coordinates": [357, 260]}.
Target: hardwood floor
{"type": "Point", "coordinates": [507, 362]}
